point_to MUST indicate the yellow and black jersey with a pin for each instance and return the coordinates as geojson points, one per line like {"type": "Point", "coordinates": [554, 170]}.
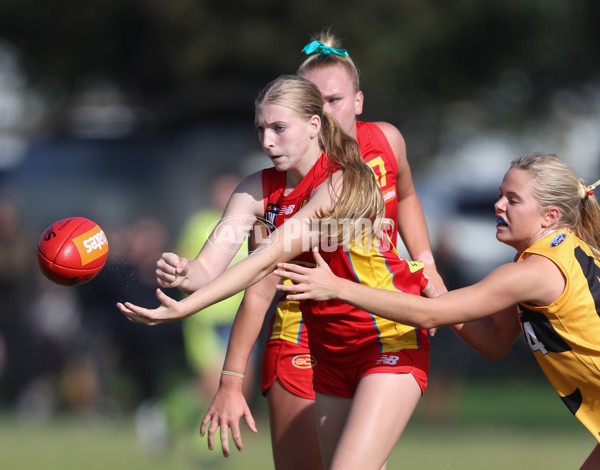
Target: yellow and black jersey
{"type": "Point", "coordinates": [565, 335]}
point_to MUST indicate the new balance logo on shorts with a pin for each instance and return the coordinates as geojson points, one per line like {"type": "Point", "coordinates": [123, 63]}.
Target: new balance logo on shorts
{"type": "Point", "coordinates": [389, 360]}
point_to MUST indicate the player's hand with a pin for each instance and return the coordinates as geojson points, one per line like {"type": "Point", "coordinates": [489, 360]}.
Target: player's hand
{"type": "Point", "coordinates": [434, 276]}
{"type": "Point", "coordinates": [171, 270]}
{"type": "Point", "coordinates": [317, 283]}
{"type": "Point", "coordinates": [431, 291]}
{"type": "Point", "coordinates": [168, 311]}
{"type": "Point", "coordinates": [226, 410]}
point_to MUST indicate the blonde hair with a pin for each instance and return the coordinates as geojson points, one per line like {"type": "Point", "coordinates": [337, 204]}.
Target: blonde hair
{"type": "Point", "coordinates": [359, 197]}
{"type": "Point", "coordinates": [554, 184]}
{"type": "Point", "coordinates": [317, 60]}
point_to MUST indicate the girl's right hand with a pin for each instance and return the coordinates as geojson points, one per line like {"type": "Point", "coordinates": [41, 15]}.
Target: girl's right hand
{"type": "Point", "coordinates": [171, 270]}
{"type": "Point", "coordinates": [225, 412]}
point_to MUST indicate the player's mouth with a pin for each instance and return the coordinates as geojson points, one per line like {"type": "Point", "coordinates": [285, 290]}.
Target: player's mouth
{"type": "Point", "coordinates": [501, 222]}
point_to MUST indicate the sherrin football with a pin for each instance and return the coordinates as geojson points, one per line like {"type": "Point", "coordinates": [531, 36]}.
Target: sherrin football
{"type": "Point", "coordinates": [72, 251]}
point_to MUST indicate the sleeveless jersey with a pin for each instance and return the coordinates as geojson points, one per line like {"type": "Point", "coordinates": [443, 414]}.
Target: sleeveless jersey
{"type": "Point", "coordinates": [286, 323]}
{"type": "Point", "coordinates": [377, 153]}
{"type": "Point", "coordinates": [565, 336]}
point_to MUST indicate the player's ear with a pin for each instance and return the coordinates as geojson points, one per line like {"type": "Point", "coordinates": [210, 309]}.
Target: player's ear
{"type": "Point", "coordinates": [552, 216]}
{"type": "Point", "coordinates": [314, 126]}
{"type": "Point", "coordinates": [359, 99]}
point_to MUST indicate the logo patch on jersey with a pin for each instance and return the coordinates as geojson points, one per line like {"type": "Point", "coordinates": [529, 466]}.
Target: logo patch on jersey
{"type": "Point", "coordinates": [391, 194]}
{"type": "Point", "coordinates": [287, 210]}
{"type": "Point", "coordinates": [558, 239]}
{"type": "Point", "coordinates": [304, 361]}
{"type": "Point", "coordinates": [414, 266]}
{"type": "Point", "coordinates": [271, 215]}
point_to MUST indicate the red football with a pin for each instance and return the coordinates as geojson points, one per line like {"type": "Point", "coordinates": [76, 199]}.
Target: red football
{"type": "Point", "coordinates": [72, 251]}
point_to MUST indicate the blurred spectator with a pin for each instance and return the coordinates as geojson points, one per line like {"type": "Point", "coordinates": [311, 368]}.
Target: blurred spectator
{"type": "Point", "coordinates": [17, 270]}
{"type": "Point", "coordinates": [54, 336]}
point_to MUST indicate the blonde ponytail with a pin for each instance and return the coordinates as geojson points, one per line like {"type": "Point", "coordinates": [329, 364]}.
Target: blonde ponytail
{"type": "Point", "coordinates": [359, 201]}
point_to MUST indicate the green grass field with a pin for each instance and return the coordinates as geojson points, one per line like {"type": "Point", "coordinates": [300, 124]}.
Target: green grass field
{"type": "Point", "coordinates": [495, 426]}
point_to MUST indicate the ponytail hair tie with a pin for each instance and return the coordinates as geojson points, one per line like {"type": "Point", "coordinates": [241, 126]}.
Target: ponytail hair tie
{"type": "Point", "coordinates": [323, 49]}
{"type": "Point", "coordinates": [588, 190]}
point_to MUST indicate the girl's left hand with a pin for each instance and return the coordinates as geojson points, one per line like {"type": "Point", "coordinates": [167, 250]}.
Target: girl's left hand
{"type": "Point", "coordinates": [317, 283]}
{"type": "Point", "coordinates": [168, 311]}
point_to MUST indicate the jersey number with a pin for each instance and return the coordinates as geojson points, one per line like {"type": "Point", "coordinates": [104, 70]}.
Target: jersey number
{"type": "Point", "coordinates": [534, 343]}
{"type": "Point", "coordinates": [379, 164]}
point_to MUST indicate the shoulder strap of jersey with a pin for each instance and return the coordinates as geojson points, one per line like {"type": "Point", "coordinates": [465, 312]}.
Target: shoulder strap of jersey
{"type": "Point", "coordinates": [371, 138]}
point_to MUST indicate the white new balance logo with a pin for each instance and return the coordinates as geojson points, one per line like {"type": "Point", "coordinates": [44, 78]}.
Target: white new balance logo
{"type": "Point", "coordinates": [388, 360]}
{"type": "Point", "coordinates": [287, 210]}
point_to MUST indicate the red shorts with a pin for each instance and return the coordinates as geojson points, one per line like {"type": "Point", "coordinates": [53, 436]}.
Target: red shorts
{"type": "Point", "coordinates": [291, 364]}
{"type": "Point", "coordinates": [341, 381]}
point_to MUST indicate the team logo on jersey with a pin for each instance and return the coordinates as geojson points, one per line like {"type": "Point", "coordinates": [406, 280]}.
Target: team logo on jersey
{"type": "Point", "coordinates": [271, 215]}
{"type": "Point", "coordinates": [558, 239]}
{"type": "Point", "coordinates": [304, 361]}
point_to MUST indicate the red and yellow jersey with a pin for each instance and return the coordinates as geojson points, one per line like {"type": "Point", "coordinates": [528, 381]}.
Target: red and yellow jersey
{"type": "Point", "coordinates": [337, 328]}
{"type": "Point", "coordinates": [286, 323]}
{"type": "Point", "coordinates": [565, 336]}
{"type": "Point", "coordinates": [377, 153]}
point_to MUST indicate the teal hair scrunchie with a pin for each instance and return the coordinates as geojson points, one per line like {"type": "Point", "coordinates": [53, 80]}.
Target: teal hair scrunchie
{"type": "Point", "coordinates": [323, 49]}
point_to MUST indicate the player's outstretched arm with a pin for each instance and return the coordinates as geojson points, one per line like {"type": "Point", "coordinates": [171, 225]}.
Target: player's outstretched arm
{"type": "Point", "coordinates": [228, 235]}
{"type": "Point", "coordinates": [492, 337]}
{"type": "Point", "coordinates": [503, 288]}
{"type": "Point", "coordinates": [168, 311]}
{"type": "Point", "coordinates": [294, 236]}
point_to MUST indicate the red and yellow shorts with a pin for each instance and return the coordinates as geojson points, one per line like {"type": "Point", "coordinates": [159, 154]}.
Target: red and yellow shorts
{"type": "Point", "coordinates": [291, 364]}
{"type": "Point", "coordinates": [302, 375]}
{"type": "Point", "coordinates": [341, 380]}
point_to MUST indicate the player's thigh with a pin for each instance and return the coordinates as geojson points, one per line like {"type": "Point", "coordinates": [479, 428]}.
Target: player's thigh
{"type": "Point", "coordinates": [381, 408]}
{"type": "Point", "coordinates": [332, 412]}
{"type": "Point", "coordinates": [293, 430]}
